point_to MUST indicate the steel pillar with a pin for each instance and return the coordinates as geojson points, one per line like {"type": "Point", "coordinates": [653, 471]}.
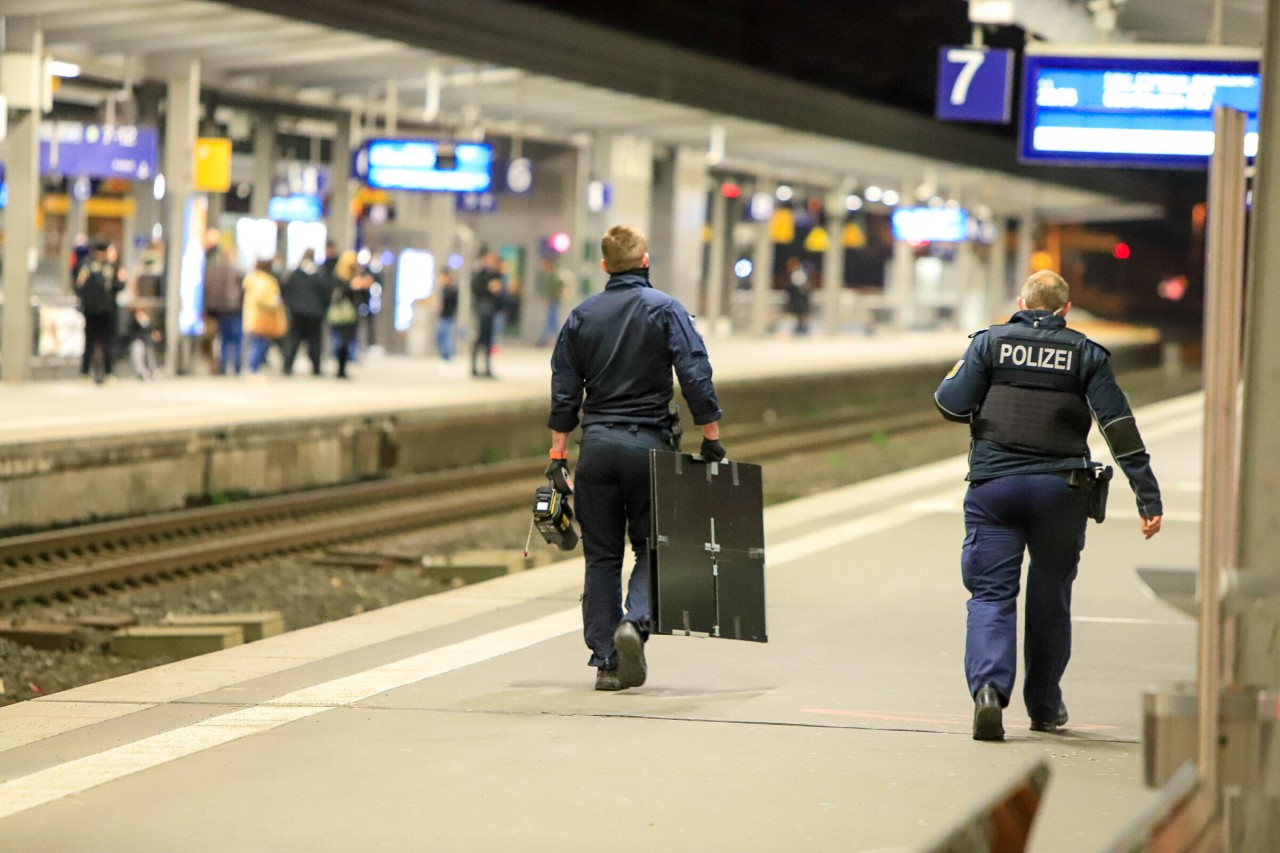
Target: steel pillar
{"type": "Point", "coordinates": [1257, 650]}
{"type": "Point", "coordinates": [22, 171]}
{"type": "Point", "coordinates": [181, 119]}
{"type": "Point", "coordinates": [833, 264]}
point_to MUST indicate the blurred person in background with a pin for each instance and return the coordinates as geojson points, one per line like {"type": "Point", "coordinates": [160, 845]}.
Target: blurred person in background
{"type": "Point", "coordinates": [798, 298]}
{"type": "Point", "coordinates": [343, 314]}
{"type": "Point", "coordinates": [447, 321]}
{"type": "Point", "coordinates": [264, 314]}
{"type": "Point", "coordinates": [224, 301]}
{"type": "Point", "coordinates": [96, 286]}
{"type": "Point", "coordinates": [306, 294]}
{"type": "Point", "coordinates": [149, 278]}
{"type": "Point", "coordinates": [143, 339]}
{"type": "Point", "coordinates": [552, 281]}
{"type": "Point", "coordinates": [486, 297]}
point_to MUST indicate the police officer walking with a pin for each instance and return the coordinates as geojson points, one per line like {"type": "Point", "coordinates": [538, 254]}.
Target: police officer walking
{"type": "Point", "coordinates": [619, 347]}
{"type": "Point", "coordinates": [1029, 389]}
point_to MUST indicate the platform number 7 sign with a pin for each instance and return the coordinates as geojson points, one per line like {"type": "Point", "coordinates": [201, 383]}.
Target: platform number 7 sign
{"type": "Point", "coordinates": [974, 84]}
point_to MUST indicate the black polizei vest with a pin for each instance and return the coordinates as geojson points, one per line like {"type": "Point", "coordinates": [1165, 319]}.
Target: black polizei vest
{"type": "Point", "coordinates": [1036, 400]}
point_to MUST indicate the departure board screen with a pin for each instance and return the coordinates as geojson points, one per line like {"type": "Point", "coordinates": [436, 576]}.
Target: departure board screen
{"type": "Point", "coordinates": [1152, 112]}
{"type": "Point", "coordinates": [411, 164]}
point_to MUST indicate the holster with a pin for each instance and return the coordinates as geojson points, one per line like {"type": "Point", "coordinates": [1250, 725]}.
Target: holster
{"type": "Point", "coordinates": [1098, 491]}
{"type": "Point", "coordinates": [1096, 480]}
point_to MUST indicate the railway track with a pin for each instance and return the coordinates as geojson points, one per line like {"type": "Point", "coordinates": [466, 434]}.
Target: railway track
{"type": "Point", "coordinates": [97, 557]}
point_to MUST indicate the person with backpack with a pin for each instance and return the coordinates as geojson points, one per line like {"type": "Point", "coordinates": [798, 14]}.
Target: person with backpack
{"type": "Point", "coordinates": [96, 284]}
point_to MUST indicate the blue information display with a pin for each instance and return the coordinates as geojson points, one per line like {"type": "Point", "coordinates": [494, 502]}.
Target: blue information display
{"type": "Point", "coordinates": [295, 208]}
{"type": "Point", "coordinates": [410, 164]}
{"type": "Point", "coordinates": [930, 224]}
{"type": "Point", "coordinates": [1132, 111]}
{"type": "Point", "coordinates": [974, 84]}
{"type": "Point", "coordinates": [98, 150]}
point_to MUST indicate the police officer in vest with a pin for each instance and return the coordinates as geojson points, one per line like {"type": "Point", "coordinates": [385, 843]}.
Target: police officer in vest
{"type": "Point", "coordinates": [619, 347]}
{"type": "Point", "coordinates": [1029, 390]}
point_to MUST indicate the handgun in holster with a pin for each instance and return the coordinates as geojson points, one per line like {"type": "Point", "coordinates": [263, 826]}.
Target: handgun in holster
{"type": "Point", "coordinates": [1096, 480]}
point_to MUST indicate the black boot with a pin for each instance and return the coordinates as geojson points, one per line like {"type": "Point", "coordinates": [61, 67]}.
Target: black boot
{"type": "Point", "coordinates": [1059, 720]}
{"type": "Point", "coordinates": [988, 723]}
{"type": "Point", "coordinates": [630, 645]}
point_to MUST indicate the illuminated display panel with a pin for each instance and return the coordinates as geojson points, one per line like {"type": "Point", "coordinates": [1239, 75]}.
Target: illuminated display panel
{"type": "Point", "coordinates": [410, 164]}
{"type": "Point", "coordinates": [1153, 112]}
{"type": "Point", "coordinates": [930, 224]}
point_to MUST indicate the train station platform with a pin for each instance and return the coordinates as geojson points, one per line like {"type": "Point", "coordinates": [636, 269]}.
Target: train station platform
{"type": "Point", "coordinates": [381, 384]}
{"type": "Point", "coordinates": [75, 451]}
{"type": "Point", "coordinates": [466, 721]}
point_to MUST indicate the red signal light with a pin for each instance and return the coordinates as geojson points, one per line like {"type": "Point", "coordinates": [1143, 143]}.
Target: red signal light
{"type": "Point", "coordinates": [730, 190]}
{"type": "Point", "coordinates": [1121, 252]}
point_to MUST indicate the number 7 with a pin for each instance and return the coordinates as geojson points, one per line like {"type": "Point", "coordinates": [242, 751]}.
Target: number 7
{"type": "Point", "coordinates": [972, 60]}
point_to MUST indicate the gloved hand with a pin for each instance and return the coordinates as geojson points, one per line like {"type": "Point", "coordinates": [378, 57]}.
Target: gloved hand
{"type": "Point", "coordinates": [712, 450]}
{"type": "Point", "coordinates": [558, 473]}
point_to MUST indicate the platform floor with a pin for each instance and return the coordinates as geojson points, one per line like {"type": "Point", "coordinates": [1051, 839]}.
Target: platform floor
{"type": "Point", "coordinates": [54, 410]}
{"type": "Point", "coordinates": [466, 721]}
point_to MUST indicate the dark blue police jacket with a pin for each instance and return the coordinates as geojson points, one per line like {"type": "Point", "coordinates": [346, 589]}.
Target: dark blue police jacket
{"type": "Point", "coordinates": [619, 347]}
{"type": "Point", "coordinates": [961, 395]}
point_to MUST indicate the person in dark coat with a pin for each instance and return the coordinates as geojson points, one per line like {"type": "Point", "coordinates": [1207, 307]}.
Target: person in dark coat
{"type": "Point", "coordinates": [224, 301]}
{"type": "Point", "coordinates": [306, 295]}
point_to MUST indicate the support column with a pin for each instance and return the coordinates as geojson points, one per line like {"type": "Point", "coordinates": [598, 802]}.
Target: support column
{"type": "Point", "coordinates": [762, 271]}
{"type": "Point", "coordinates": [899, 296]}
{"type": "Point", "coordinates": [1257, 649]}
{"type": "Point", "coordinates": [833, 265]}
{"type": "Point", "coordinates": [264, 165]}
{"type": "Point", "coordinates": [77, 224]}
{"type": "Point", "coordinates": [715, 278]}
{"type": "Point", "coordinates": [688, 217]}
{"type": "Point", "coordinates": [148, 213]}
{"type": "Point", "coordinates": [997, 281]}
{"type": "Point", "coordinates": [342, 229]}
{"type": "Point", "coordinates": [582, 251]}
{"type": "Point", "coordinates": [22, 171]}
{"type": "Point", "coordinates": [183, 100]}
{"type": "Point", "coordinates": [1026, 248]}
{"type": "Point", "coordinates": [969, 288]}
{"type": "Point", "coordinates": [625, 164]}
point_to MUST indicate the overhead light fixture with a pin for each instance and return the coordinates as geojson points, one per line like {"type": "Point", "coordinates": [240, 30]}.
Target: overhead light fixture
{"type": "Point", "coordinates": [58, 68]}
{"type": "Point", "coordinates": [891, 197]}
{"type": "Point", "coordinates": [852, 202]}
{"type": "Point", "coordinates": [784, 192]}
{"type": "Point", "coordinates": [873, 194]}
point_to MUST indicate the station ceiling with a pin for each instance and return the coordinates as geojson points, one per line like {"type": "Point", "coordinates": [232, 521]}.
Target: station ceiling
{"type": "Point", "coordinates": [512, 70]}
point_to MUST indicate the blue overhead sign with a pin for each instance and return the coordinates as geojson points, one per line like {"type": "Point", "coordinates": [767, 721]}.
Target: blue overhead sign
{"type": "Point", "coordinates": [295, 208]}
{"type": "Point", "coordinates": [974, 84]}
{"type": "Point", "coordinates": [1132, 110]}
{"type": "Point", "coordinates": [930, 224]}
{"type": "Point", "coordinates": [411, 164]}
{"type": "Point", "coordinates": [98, 150]}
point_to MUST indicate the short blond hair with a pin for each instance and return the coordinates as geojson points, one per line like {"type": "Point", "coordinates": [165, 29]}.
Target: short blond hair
{"type": "Point", "coordinates": [1045, 290]}
{"type": "Point", "coordinates": [623, 248]}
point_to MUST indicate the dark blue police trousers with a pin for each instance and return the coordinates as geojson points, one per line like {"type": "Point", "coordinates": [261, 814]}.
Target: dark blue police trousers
{"type": "Point", "coordinates": [611, 499]}
{"type": "Point", "coordinates": [1003, 516]}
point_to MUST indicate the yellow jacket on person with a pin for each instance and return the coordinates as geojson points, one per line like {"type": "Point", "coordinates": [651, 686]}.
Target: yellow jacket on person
{"type": "Point", "coordinates": [264, 313]}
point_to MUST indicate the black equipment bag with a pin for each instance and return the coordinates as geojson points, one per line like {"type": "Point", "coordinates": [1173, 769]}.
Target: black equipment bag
{"type": "Point", "coordinates": [706, 547]}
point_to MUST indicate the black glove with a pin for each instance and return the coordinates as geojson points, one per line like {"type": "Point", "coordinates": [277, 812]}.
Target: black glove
{"type": "Point", "coordinates": [558, 473]}
{"type": "Point", "coordinates": [712, 450]}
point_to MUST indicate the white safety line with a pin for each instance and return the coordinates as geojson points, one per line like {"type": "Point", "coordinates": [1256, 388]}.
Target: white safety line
{"type": "Point", "coordinates": [73, 777]}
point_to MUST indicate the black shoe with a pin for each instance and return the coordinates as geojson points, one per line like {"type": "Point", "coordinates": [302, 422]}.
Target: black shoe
{"type": "Point", "coordinates": [630, 646]}
{"type": "Point", "coordinates": [1051, 725]}
{"type": "Point", "coordinates": [607, 679]}
{"type": "Point", "coordinates": [987, 716]}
